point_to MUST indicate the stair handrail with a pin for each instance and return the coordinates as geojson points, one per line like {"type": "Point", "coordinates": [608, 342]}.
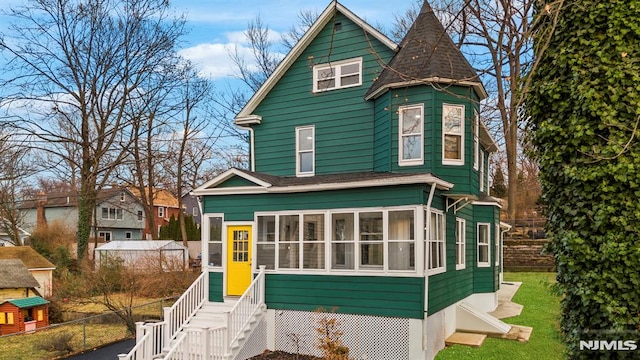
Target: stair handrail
{"type": "Point", "coordinates": [185, 307]}
{"type": "Point", "coordinates": [205, 341]}
{"type": "Point", "coordinates": [247, 306]}
{"type": "Point", "coordinates": [147, 346]}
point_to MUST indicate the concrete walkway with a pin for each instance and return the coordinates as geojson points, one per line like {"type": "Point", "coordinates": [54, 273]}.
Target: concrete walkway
{"type": "Point", "coordinates": [507, 308]}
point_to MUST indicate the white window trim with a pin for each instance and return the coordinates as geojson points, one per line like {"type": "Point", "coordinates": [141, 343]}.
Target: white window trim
{"type": "Point", "coordinates": [476, 140]}
{"type": "Point", "coordinates": [496, 245]}
{"type": "Point", "coordinates": [161, 212]}
{"type": "Point", "coordinates": [299, 173]}
{"type": "Point", "coordinates": [461, 243]}
{"type": "Point", "coordinates": [481, 174]}
{"type": "Point", "coordinates": [488, 245]}
{"type": "Point", "coordinates": [410, 162]}
{"type": "Point", "coordinates": [358, 269]}
{"type": "Point", "coordinates": [116, 218]}
{"type": "Point", "coordinates": [460, 161]}
{"type": "Point", "coordinates": [337, 65]}
{"type": "Point", "coordinates": [443, 267]}
{"type": "Point", "coordinates": [204, 231]}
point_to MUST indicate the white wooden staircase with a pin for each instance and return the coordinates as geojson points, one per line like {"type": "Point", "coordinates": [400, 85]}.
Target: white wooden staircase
{"type": "Point", "coordinates": [195, 329]}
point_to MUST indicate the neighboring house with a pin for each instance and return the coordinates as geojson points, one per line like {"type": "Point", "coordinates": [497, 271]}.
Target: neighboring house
{"type": "Point", "coordinates": [145, 254]}
{"type": "Point", "coordinates": [192, 207]}
{"type": "Point", "coordinates": [7, 240]}
{"type": "Point", "coordinates": [367, 197]}
{"type": "Point", "coordinates": [119, 214]}
{"type": "Point", "coordinates": [39, 267]}
{"type": "Point", "coordinates": [21, 307]}
{"type": "Point", "coordinates": [165, 205]}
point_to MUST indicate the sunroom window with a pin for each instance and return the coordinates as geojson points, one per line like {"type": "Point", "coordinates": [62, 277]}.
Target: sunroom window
{"type": "Point", "coordinates": [342, 241]}
{"type": "Point", "coordinates": [289, 242]}
{"type": "Point", "coordinates": [337, 75]}
{"type": "Point", "coordinates": [453, 134]}
{"type": "Point", "coordinates": [371, 240]}
{"type": "Point", "coordinates": [313, 241]}
{"type": "Point", "coordinates": [401, 240]}
{"type": "Point", "coordinates": [411, 120]}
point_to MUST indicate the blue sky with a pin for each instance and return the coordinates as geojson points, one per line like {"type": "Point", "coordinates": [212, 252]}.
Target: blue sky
{"type": "Point", "coordinates": [215, 26]}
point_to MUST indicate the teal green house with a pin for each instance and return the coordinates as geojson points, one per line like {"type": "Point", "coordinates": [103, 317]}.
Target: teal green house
{"type": "Point", "coordinates": [367, 197]}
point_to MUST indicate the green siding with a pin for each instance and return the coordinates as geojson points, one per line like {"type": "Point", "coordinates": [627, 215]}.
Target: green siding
{"type": "Point", "coordinates": [454, 285]}
{"type": "Point", "coordinates": [363, 295]}
{"type": "Point", "coordinates": [242, 207]}
{"type": "Point", "coordinates": [216, 287]}
{"type": "Point", "coordinates": [343, 120]}
{"type": "Point", "coordinates": [486, 278]}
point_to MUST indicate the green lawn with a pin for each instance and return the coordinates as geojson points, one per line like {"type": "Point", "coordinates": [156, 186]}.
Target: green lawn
{"type": "Point", "coordinates": [541, 311]}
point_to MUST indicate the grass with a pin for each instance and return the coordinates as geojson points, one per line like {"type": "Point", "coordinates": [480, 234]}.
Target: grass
{"type": "Point", "coordinates": [541, 311]}
{"type": "Point", "coordinates": [28, 347]}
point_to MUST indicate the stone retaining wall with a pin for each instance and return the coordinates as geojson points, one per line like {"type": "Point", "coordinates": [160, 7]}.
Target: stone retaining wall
{"type": "Point", "coordinates": [527, 255]}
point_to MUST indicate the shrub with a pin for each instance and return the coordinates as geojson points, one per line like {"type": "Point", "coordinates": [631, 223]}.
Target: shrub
{"type": "Point", "coordinates": [58, 344]}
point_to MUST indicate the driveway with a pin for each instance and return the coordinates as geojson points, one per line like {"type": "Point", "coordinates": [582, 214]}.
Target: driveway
{"type": "Point", "coordinates": [109, 352]}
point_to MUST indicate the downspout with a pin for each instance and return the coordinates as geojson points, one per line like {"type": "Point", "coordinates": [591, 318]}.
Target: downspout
{"type": "Point", "coordinates": [426, 258]}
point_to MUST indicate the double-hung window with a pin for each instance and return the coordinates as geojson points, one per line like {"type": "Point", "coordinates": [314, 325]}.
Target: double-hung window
{"type": "Point", "coordinates": [305, 151]}
{"type": "Point", "coordinates": [436, 261]}
{"type": "Point", "coordinates": [401, 240]}
{"type": "Point", "coordinates": [483, 244]}
{"type": "Point", "coordinates": [160, 212]}
{"type": "Point", "coordinates": [461, 238]}
{"type": "Point", "coordinates": [337, 75]}
{"type": "Point", "coordinates": [481, 174]}
{"type": "Point", "coordinates": [371, 240]}
{"type": "Point", "coordinates": [214, 224]}
{"type": "Point", "coordinates": [342, 241]}
{"type": "Point", "coordinates": [112, 213]}
{"type": "Point", "coordinates": [411, 133]}
{"type": "Point", "coordinates": [452, 134]}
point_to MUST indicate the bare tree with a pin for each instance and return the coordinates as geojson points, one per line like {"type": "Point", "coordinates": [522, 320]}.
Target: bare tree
{"type": "Point", "coordinates": [83, 64]}
{"type": "Point", "coordinates": [15, 168]}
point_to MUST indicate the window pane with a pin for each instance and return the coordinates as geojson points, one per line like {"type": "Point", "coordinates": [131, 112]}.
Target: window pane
{"type": "Point", "coordinates": [483, 253]}
{"type": "Point", "coordinates": [289, 258]}
{"type": "Point", "coordinates": [289, 228]}
{"type": "Point", "coordinates": [313, 227]}
{"type": "Point", "coordinates": [313, 256]}
{"type": "Point", "coordinates": [112, 213]}
{"type": "Point", "coordinates": [411, 147]}
{"type": "Point", "coordinates": [326, 84]}
{"type": "Point", "coordinates": [452, 148]}
{"type": "Point", "coordinates": [342, 227]}
{"type": "Point", "coordinates": [105, 213]}
{"type": "Point", "coordinates": [371, 226]}
{"type": "Point", "coordinates": [483, 236]}
{"type": "Point", "coordinates": [411, 121]}
{"type": "Point", "coordinates": [326, 73]}
{"type": "Point", "coordinates": [349, 80]}
{"type": "Point", "coordinates": [119, 214]}
{"type": "Point", "coordinates": [306, 162]}
{"type": "Point", "coordinates": [342, 256]}
{"type": "Point", "coordinates": [371, 255]}
{"type": "Point", "coordinates": [215, 254]}
{"type": "Point", "coordinates": [266, 255]}
{"type": "Point", "coordinates": [215, 229]}
{"type": "Point", "coordinates": [452, 119]}
{"type": "Point", "coordinates": [401, 225]}
{"type": "Point", "coordinates": [266, 228]}
{"type": "Point", "coordinates": [433, 257]}
{"type": "Point", "coordinates": [305, 139]}
{"type": "Point", "coordinates": [350, 69]}
{"type": "Point", "coordinates": [401, 256]}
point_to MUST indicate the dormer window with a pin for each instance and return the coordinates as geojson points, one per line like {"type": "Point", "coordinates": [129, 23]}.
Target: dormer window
{"type": "Point", "coordinates": [453, 134]}
{"type": "Point", "coordinates": [305, 151]}
{"type": "Point", "coordinates": [411, 120]}
{"type": "Point", "coordinates": [337, 75]}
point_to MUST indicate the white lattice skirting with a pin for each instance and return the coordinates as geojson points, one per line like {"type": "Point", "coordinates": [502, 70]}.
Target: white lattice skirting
{"type": "Point", "coordinates": [367, 337]}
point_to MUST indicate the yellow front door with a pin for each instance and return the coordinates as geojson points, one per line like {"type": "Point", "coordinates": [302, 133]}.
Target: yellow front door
{"type": "Point", "coordinates": [238, 259]}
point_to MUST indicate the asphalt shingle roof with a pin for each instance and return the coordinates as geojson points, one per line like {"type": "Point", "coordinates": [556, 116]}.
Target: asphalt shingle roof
{"type": "Point", "coordinates": [426, 52]}
{"type": "Point", "coordinates": [30, 257]}
{"type": "Point", "coordinates": [14, 275]}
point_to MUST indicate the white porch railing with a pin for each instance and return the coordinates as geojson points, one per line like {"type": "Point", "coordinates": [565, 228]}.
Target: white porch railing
{"type": "Point", "coordinates": [246, 307]}
{"type": "Point", "coordinates": [149, 342]}
{"type": "Point", "coordinates": [200, 344]}
{"type": "Point", "coordinates": [185, 308]}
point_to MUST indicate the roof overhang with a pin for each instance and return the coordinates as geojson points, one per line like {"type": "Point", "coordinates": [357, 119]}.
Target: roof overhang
{"type": "Point", "coordinates": [266, 188]}
{"type": "Point", "coordinates": [245, 116]}
{"type": "Point", "coordinates": [486, 139]}
{"type": "Point", "coordinates": [477, 86]}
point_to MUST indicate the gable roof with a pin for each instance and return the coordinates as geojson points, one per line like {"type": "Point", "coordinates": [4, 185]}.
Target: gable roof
{"type": "Point", "coordinates": [246, 116]}
{"type": "Point", "coordinates": [264, 183]}
{"type": "Point", "coordinates": [161, 197]}
{"type": "Point", "coordinates": [29, 257]}
{"type": "Point", "coordinates": [70, 198]}
{"type": "Point", "coordinates": [14, 275]}
{"type": "Point", "coordinates": [427, 55]}
{"type": "Point", "coordinates": [28, 302]}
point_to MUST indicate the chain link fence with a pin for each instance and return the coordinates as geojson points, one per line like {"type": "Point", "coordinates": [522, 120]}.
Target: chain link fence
{"type": "Point", "coordinates": [84, 332]}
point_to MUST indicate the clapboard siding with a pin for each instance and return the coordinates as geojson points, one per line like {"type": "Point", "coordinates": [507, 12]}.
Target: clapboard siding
{"type": "Point", "coordinates": [216, 284]}
{"type": "Point", "coordinates": [343, 121]}
{"type": "Point", "coordinates": [363, 295]}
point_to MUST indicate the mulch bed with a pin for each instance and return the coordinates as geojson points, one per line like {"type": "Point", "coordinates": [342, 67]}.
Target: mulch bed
{"type": "Point", "coordinates": [281, 355]}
